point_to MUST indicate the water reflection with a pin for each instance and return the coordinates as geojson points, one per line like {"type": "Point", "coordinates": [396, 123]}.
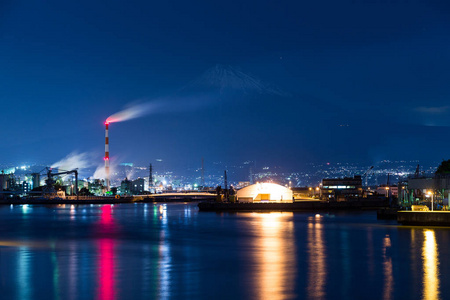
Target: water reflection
{"type": "Point", "coordinates": [275, 255]}
{"type": "Point", "coordinates": [106, 259]}
{"type": "Point", "coordinates": [24, 273]}
{"type": "Point", "coordinates": [346, 263]}
{"type": "Point", "coordinates": [370, 254]}
{"type": "Point", "coordinates": [56, 273]}
{"type": "Point", "coordinates": [73, 271]}
{"type": "Point", "coordinates": [156, 251]}
{"type": "Point", "coordinates": [317, 269]}
{"type": "Point", "coordinates": [430, 266]}
{"type": "Point", "coordinates": [164, 262]}
{"type": "Point", "coordinates": [387, 269]}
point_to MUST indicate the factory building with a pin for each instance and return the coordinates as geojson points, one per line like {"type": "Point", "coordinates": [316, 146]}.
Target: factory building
{"type": "Point", "coordinates": [25, 187]}
{"type": "Point", "coordinates": [137, 186]}
{"type": "Point", "coordinates": [387, 191]}
{"type": "Point", "coordinates": [264, 192]}
{"type": "Point", "coordinates": [97, 187]}
{"type": "Point", "coordinates": [341, 189]}
{"type": "Point", "coordinates": [4, 178]}
{"type": "Point", "coordinates": [419, 190]}
{"type": "Point", "coordinates": [126, 187]}
{"type": "Point", "coordinates": [36, 178]}
{"type": "Point", "coordinates": [303, 193]}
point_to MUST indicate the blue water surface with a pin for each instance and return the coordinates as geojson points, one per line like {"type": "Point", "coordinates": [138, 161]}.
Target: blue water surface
{"type": "Point", "coordinates": [173, 251]}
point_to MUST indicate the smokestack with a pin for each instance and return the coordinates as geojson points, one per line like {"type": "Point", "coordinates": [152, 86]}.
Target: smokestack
{"type": "Point", "coordinates": [106, 155]}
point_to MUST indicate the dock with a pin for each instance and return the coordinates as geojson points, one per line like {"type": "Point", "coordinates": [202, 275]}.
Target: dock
{"type": "Point", "coordinates": [424, 218]}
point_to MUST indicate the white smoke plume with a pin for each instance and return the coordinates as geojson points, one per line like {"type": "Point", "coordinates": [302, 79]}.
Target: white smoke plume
{"type": "Point", "coordinates": [74, 160]}
{"type": "Point", "coordinates": [100, 172]}
{"type": "Point", "coordinates": [129, 173]}
{"type": "Point", "coordinates": [161, 105]}
{"type": "Point", "coordinates": [199, 94]}
{"type": "Point", "coordinates": [132, 112]}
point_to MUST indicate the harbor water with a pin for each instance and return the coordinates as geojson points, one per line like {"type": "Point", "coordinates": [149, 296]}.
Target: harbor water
{"type": "Point", "coordinates": [173, 251]}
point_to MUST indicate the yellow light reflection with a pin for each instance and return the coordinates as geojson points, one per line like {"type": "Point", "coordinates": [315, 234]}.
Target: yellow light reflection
{"type": "Point", "coordinates": [370, 254]}
{"type": "Point", "coordinates": [387, 269]}
{"type": "Point", "coordinates": [430, 266]}
{"type": "Point", "coordinates": [275, 256]}
{"type": "Point", "coordinates": [414, 251]}
{"type": "Point", "coordinates": [72, 212]}
{"type": "Point", "coordinates": [317, 271]}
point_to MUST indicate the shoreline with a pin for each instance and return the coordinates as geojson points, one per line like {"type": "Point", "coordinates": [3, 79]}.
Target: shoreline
{"type": "Point", "coordinates": [100, 200]}
{"type": "Point", "coordinates": [295, 206]}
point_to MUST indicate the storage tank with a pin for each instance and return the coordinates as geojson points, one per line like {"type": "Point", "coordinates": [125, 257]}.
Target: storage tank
{"type": "Point", "coordinates": [36, 180]}
{"type": "Point", "coordinates": [265, 192]}
{"type": "Point", "coordinates": [4, 182]}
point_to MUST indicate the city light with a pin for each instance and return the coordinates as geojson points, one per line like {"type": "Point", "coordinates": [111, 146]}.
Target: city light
{"type": "Point", "coordinates": [430, 193]}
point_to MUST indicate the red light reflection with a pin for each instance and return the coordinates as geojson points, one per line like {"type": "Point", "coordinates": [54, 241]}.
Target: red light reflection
{"type": "Point", "coordinates": [106, 218]}
{"type": "Point", "coordinates": [106, 283]}
{"type": "Point", "coordinates": [106, 257]}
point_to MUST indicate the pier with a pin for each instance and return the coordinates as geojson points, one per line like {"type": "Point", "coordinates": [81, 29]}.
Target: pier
{"type": "Point", "coordinates": [424, 218]}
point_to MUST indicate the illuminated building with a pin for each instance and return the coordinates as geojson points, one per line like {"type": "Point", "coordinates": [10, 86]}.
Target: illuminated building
{"type": "Point", "coordinates": [304, 192]}
{"type": "Point", "coordinates": [340, 189]}
{"type": "Point", "coordinates": [387, 190]}
{"type": "Point", "coordinates": [264, 192]}
{"type": "Point", "coordinates": [415, 189]}
{"type": "Point", "coordinates": [4, 181]}
{"type": "Point", "coordinates": [25, 187]}
{"type": "Point", "coordinates": [126, 186]}
{"type": "Point", "coordinates": [36, 177]}
{"type": "Point", "coordinates": [137, 186]}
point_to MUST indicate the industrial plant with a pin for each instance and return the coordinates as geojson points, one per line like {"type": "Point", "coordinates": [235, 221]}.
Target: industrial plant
{"type": "Point", "coordinates": [396, 185]}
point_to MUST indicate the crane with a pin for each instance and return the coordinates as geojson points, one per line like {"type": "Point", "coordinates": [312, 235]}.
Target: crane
{"type": "Point", "coordinates": [366, 175]}
{"type": "Point", "coordinates": [50, 180]}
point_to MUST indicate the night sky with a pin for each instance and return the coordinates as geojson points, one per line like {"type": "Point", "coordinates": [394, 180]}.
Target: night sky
{"type": "Point", "coordinates": [278, 82]}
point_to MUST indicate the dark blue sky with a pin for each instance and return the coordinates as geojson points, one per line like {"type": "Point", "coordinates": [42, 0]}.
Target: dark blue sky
{"type": "Point", "coordinates": [379, 68]}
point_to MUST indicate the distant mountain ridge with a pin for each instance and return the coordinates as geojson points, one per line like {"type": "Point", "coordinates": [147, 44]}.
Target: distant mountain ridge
{"type": "Point", "coordinates": [229, 78]}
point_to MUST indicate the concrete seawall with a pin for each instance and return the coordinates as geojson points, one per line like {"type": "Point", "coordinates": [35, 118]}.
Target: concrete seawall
{"type": "Point", "coordinates": [152, 198]}
{"type": "Point", "coordinates": [424, 218]}
{"type": "Point", "coordinates": [91, 200]}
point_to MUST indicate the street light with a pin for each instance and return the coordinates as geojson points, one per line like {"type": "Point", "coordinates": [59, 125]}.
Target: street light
{"type": "Point", "coordinates": [429, 193]}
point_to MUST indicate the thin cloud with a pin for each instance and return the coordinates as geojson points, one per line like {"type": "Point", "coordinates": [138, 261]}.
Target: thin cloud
{"type": "Point", "coordinates": [432, 109]}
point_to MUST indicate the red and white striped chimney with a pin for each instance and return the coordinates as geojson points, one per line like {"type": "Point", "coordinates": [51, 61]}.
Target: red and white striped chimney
{"type": "Point", "coordinates": [107, 156]}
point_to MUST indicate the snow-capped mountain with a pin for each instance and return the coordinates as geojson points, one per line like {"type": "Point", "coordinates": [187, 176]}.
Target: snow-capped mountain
{"type": "Point", "coordinates": [232, 79]}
